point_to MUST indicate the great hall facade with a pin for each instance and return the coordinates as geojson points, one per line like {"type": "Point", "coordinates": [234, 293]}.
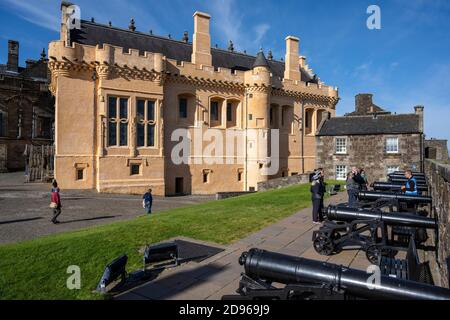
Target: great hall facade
{"type": "Point", "coordinates": [120, 94]}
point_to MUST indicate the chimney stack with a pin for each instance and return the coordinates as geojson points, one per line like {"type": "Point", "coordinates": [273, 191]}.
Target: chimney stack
{"type": "Point", "coordinates": [201, 40]}
{"type": "Point", "coordinates": [419, 111]}
{"type": "Point", "coordinates": [363, 103]}
{"type": "Point", "coordinates": [292, 64]}
{"type": "Point", "coordinates": [13, 56]}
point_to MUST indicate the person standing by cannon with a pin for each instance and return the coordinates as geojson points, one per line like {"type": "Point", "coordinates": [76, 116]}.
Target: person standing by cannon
{"type": "Point", "coordinates": [410, 186]}
{"type": "Point", "coordinates": [317, 194]}
{"type": "Point", "coordinates": [354, 185]}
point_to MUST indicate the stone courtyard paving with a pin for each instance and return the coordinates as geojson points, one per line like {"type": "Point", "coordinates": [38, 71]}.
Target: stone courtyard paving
{"type": "Point", "coordinates": [220, 274]}
{"type": "Point", "coordinates": [25, 212]}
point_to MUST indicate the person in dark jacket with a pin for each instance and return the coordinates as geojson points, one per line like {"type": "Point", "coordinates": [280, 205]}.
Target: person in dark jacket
{"type": "Point", "coordinates": [317, 193]}
{"type": "Point", "coordinates": [55, 204]}
{"type": "Point", "coordinates": [354, 184]}
{"type": "Point", "coordinates": [147, 201]}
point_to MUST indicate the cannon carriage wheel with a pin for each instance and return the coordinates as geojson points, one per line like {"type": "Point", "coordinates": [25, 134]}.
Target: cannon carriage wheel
{"type": "Point", "coordinates": [323, 244]}
{"type": "Point", "coordinates": [375, 252]}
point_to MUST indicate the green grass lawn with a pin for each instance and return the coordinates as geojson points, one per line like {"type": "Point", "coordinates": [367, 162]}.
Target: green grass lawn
{"type": "Point", "coordinates": [36, 269]}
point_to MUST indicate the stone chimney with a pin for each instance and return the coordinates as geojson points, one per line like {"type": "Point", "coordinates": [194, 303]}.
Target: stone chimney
{"type": "Point", "coordinates": [363, 103]}
{"type": "Point", "coordinates": [201, 40]}
{"type": "Point", "coordinates": [302, 61]}
{"type": "Point", "coordinates": [13, 56]}
{"type": "Point", "coordinates": [419, 111]}
{"type": "Point", "coordinates": [292, 65]}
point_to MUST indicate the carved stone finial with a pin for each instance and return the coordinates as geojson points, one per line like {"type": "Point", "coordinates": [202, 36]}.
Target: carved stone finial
{"type": "Point", "coordinates": [270, 55]}
{"type": "Point", "coordinates": [132, 26]}
{"type": "Point", "coordinates": [43, 54]}
{"type": "Point", "coordinates": [185, 37]}
{"type": "Point", "coordinates": [92, 20]}
{"type": "Point", "coordinates": [110, 24]}
{"type": "Point", "coordinates": [231, 46]}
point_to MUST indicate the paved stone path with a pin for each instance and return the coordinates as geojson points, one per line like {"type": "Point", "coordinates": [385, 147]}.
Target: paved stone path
{"type": "Point", "coordinates": [220, 274]}
{"type": "Point", "coordinates": [25, 213]}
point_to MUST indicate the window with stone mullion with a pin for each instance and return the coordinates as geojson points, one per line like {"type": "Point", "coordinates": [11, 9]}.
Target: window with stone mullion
{"type": "Point", "coordinates": [146, 123]}
{"type": "Point", "coordinates": [117, 122]}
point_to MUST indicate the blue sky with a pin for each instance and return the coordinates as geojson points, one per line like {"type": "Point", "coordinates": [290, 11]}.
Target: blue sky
{"type": "Point", "coordinates": [406, 63]}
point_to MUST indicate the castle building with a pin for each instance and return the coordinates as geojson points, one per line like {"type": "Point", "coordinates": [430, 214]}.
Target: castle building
{"type": "Point", "coordinates": [123, 95]}
{"type": "Point", "coordinates": [371, 138]}
{"type": "Point", "coordinates": [26, 108]}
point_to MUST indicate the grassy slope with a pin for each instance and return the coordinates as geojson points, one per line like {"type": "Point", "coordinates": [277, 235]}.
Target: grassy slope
{"type": "Point", "coordinates": [37, 269]}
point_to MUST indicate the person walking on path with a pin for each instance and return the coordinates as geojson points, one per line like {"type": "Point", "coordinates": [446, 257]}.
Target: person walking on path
{"type": "Point", "coordinates": [55, 203]}
{"type": "Point", "coordinates": [147, 201]}
{"type": "Point", "coordinates": [317, 194]}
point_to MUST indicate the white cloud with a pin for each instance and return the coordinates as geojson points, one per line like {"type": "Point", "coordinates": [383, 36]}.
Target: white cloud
{"type": "Point", "coordinates": [40, 13]}
{"type": "Point", "coordinates": [229, 21]}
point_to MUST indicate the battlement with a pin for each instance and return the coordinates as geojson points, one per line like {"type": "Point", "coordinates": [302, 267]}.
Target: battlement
{"type": "Point", "coordinates": [106, 55]}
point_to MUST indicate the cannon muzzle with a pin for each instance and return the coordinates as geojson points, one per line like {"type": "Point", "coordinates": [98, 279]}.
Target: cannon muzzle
{"type": "Point", "coordinates": [284, 269]}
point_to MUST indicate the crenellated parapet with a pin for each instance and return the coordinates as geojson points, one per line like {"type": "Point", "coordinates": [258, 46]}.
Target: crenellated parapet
{"type": "Point", "coordinates": [107, 61]}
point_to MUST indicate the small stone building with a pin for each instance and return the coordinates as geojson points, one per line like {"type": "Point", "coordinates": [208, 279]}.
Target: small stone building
{"type": "Point", "coordinates": [26, 108]}
{"type": "Point", "coordinates": [436, 149]}
{"type": "Point", "coordinates": [370, 138]}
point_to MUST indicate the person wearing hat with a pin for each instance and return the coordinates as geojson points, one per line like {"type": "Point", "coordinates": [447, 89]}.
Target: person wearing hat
{"type": "Point", "coordinates": [317, 193]}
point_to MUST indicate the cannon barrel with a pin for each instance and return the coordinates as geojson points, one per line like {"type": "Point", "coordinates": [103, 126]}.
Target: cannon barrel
{"type": "Point", "coordinates": [400, 176]}
{"type": "Point", "coordinates": [414, 173]}
{"type": "Point", "coordinates": [276, 267]}
{"type": "Point", "coordinates": [403, 181]}
{"type": "Point", "coordinates": [373, 196]}
{"type": "Point", "coordinates": [345, 214]}
{"type": "Point", "coordinates": [390, 186]}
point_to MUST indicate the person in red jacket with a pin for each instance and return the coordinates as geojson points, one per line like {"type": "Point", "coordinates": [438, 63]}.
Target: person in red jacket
{"type": "Point", "coordinates": [55, 202]}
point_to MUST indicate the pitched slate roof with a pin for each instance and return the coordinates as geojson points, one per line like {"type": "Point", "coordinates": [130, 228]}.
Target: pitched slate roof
{"type": "Point", "coordinates": [367, 125]}
{"type": "Point", "coordinates": [97, 34]}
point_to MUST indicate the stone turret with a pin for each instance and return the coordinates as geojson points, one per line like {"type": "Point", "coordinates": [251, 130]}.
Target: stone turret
{"type": "Point", "coordinates": [258, 108]}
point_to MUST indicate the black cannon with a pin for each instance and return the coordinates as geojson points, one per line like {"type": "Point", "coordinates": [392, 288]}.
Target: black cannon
{"type": "Point", "coordinates": [401, 197]}
{"type": "Point", "coordinates": [414, 173]}
{"type": "Point", "coordinates": [351, 228]}
{"type": "Point", "coordinates": [401, 176]}
{"type": "Point", "coordinates": [306, 279]}
{"type": "Point", "coordinates": [394, 187]}
{"type": "Point", "coordinates": [403, 180]}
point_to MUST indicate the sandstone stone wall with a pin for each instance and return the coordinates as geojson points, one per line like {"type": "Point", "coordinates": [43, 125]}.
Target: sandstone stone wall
{"type": "Point", "coordinates": [368, 152]}
{"type": "Point", "coordinates": [283, 182]}
{"type": "Point", "coordinates": [438, 176]}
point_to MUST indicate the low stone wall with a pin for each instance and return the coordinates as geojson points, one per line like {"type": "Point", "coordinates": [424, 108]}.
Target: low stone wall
{"type": "Point", "coordinates": [226, 195]}
{"type": "Point", "coordinates": [283, 182]}
{"type": "Point", "coordinates": [438, 176]}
